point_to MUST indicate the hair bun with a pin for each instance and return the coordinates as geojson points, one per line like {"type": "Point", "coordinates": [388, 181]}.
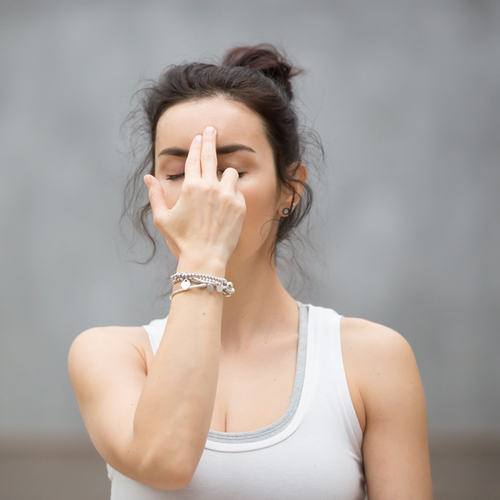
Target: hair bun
{"type": "Point", "coordinates": [266, 59]}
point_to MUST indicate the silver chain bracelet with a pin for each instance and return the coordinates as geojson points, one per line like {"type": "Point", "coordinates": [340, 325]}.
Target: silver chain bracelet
{"type": "Point", "coordinates": [212, 283]}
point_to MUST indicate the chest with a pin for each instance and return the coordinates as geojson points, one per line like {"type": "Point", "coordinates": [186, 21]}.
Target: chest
{"type": "Point", "coordinates": [254, 390]}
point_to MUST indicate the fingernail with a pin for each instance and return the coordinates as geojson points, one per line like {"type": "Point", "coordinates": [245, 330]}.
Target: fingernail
{"type": "Point", "coordinates": [210, 130]}
{"type": "Point", "coordinates": [147, 180]}
{"type": "Point", "coordinates": [198, 138]}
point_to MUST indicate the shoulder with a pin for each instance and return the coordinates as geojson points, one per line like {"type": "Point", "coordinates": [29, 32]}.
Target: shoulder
{"type": "Point", "coordinates": [395, 444]}
{"type": "Point", "coordinates": [382, 364]}
{"type": "Point", "coordinates": [373, 341]}
{"type": "Point", "coordinates": [108, 334]}
{"type": "Point", "coordinates": [99, 343]}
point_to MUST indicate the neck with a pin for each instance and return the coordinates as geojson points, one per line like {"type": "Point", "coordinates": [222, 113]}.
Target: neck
{"type": "Point", "coordinates": [260, 309]}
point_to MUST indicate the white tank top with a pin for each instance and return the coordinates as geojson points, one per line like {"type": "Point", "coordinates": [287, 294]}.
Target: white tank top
{"type": "Point", "coordinates": [312, 451]}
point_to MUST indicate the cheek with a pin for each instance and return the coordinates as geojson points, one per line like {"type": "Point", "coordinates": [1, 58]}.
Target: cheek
{"type": "Point", "coordinates": [261, 201]}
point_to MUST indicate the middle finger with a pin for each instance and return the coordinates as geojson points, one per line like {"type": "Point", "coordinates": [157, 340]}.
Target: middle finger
{"type": "Point", "coordinates": [209, 154]}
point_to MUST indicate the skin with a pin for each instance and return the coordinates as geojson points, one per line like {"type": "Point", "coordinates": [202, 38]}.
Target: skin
{"type": "Point", "coordinates": [259, 322]}
{"type": "Point", "coordinates": [256, 307]}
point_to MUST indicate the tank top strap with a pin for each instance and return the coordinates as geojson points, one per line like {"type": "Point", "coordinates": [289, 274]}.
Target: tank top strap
{"type": "Point", "coordinates": [155, 331]}
{"type": "Point", "coordinates": [324, 324]}
{"type": "Point", "coordinates": [331, 370]}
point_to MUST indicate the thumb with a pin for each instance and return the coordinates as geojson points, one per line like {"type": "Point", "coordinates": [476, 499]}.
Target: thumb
{"type": "Point", "coordinates": [156, 196]}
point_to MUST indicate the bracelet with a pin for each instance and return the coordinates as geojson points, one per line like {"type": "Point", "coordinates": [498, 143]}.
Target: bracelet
{"type": "Point", "coordinates": [183, 290]}
{"type": "Point", "coordinates": [205, 280]}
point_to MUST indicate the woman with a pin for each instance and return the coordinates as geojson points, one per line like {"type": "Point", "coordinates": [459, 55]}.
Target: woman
{"type": "Point", "coordinates": [244, 392]}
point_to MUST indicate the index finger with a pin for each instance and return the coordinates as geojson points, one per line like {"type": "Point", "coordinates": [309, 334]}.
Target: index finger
{"type": "Point", "coordinates": [192, 166]}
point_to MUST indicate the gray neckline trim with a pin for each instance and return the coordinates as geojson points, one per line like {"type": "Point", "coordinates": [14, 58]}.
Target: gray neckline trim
{"type": "Point", "coordinates": [287, 417]}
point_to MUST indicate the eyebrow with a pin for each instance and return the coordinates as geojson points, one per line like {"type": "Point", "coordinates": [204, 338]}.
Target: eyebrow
{"type": "Point", "coordinates": [224, 150]}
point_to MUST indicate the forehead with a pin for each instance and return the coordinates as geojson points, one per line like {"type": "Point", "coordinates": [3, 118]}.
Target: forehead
{"type": "Point", "coordinates": [235, 123]}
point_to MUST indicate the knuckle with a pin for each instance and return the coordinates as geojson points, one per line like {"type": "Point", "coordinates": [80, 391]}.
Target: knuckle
{"type": "Point", "coordinates": [188, 186]}
{"type": "Point", "coordinates": [192, 160]}
{"type": "Point", "coordinates": [211, 188]}
{"type": "Point", "coordinates": [226, 198]}
{"type": "Point", "coordinates": [241, 205]}
{"type": "Point", "coordinates": [233, 201]}
{"type": "Point", "coordinates": [208, 157]}
{"type": "Point", "coordinates": [242, 208]}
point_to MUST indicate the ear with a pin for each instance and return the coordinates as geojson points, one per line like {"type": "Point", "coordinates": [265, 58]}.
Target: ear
{"type": "Point", "coordinates": [299, 173]}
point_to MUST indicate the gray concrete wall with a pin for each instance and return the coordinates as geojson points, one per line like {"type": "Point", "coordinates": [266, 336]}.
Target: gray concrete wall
{"type": "Point", "coordinates": [406, 97]}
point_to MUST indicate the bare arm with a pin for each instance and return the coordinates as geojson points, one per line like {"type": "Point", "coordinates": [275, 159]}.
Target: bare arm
{"type": "Point", "coordinates": [175, 408]}
{"type": "Point", "coordinates": [153, 426]}
{"type": "Point", "coordinates": [395, 441]}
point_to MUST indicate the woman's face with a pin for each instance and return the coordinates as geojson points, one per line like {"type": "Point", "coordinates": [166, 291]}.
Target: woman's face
{"type": "Point", "coordinates": [236, 125]}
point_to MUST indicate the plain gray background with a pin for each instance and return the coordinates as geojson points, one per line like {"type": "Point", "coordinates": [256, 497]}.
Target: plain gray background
{"type": "Point", "coordinates": [406, 98]}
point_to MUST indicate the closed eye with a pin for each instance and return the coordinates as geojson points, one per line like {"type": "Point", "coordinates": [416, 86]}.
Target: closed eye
{"type": "Point", "coordinates": [174, 177]}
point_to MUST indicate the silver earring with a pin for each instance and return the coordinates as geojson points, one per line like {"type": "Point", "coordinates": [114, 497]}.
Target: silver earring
{"type": "Point", "coordinates": [286, 210]}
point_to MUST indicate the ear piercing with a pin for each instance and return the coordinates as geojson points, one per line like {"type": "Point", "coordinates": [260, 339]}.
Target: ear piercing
{"type": "Point", "coordinates": [286, 211]}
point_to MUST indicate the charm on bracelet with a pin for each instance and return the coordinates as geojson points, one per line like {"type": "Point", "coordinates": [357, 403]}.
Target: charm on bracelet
{"type": "Point", "coordinates": [204, 280]}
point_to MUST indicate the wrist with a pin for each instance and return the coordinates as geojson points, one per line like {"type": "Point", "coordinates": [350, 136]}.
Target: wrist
{"type": "Point", "coordinates": [202, 264]}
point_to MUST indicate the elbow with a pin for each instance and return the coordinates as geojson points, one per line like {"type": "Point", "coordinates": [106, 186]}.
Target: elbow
{"type": "Point", "coordinates": [163, 473]}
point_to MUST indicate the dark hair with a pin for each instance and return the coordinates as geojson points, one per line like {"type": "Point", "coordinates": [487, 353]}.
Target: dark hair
{"type": "Point", "coordinates": [258, 77]}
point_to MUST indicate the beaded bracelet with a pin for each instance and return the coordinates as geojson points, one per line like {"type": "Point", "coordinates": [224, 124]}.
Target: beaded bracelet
{"type": "Point", "coordinates": [205, 280]}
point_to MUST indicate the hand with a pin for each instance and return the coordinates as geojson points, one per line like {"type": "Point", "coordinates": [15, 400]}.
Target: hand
{"type": "Point", "coordinates": [208, 216]}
